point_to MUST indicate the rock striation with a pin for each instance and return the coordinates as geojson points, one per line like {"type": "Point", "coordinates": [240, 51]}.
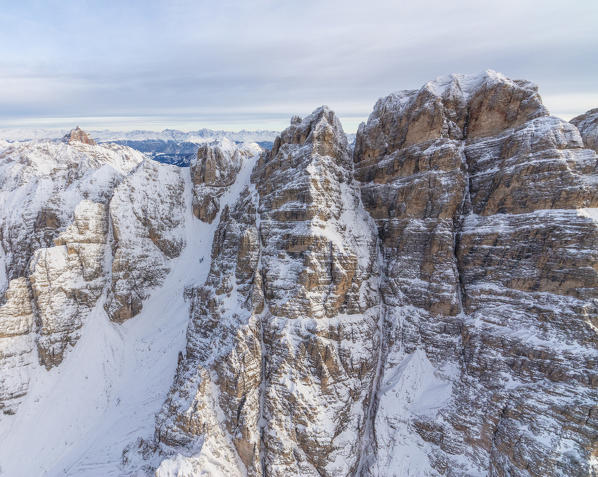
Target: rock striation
{"type": "Point", "coordinates": [291, 308]}
{"type": "Point", "coordinates": [485, 218]}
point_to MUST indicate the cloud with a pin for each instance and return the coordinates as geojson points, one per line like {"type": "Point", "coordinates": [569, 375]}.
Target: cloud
{"type": "Point", "coordinates": [262, 61]}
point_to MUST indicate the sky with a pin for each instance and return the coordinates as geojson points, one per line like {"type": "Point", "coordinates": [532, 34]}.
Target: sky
{"type": "Point", "coordinates": [253, 64]}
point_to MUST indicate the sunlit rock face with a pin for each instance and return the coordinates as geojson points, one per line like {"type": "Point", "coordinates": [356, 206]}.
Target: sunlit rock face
{"type": "Point", "coordinates": [82, 226]}
{"type": "Point", "coordinates": [54, 199]}
{"type": "Point", "coordinates": [67, 280]}
{"type": "Point", "coordinates": [423, 305]}
{"type": "Point", "coordinates": [78, 135]}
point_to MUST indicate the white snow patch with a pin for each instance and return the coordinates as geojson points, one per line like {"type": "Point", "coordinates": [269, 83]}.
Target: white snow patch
{"type": "Point", "coordinates": [415, 388]}
{"type": "Point", "coordinates": [591, 213]}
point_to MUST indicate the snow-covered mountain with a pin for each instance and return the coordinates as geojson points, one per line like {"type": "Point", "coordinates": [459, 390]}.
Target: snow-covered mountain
{"type": "Point", "coordinates": [424, 303]}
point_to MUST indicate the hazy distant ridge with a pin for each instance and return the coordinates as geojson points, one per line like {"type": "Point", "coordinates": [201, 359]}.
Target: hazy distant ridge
{"type": "Point", "coordinates": [105, 135]}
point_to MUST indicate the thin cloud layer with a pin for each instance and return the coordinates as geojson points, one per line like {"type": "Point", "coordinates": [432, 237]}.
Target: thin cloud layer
{"type": "Point", "coordinates": [253, 64]}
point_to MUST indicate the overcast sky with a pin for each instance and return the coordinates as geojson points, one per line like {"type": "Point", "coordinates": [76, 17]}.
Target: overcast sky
{"type": "Point", "coordinates": [253, 64]}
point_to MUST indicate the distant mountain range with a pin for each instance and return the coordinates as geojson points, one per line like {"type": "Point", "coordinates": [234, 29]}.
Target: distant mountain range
{"type": "Point", "coordinates": [106, 135]}
{"type": "Point", "coordinates": [179, 153]}
{"type": "Point", "coordinates": [169, 146]}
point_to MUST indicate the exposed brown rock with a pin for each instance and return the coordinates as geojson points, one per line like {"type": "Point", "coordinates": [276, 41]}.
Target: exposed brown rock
{"type": "Point", "coordinates": [78, 135]}
{"type": "Point", "coordinates": [424, 305]}
{"type": "Point", "coordinates": [477, 208]}
{"type": "Point", "coordinates": [300, 282]}
{"type": "Point", "coordinates": [212, 172]}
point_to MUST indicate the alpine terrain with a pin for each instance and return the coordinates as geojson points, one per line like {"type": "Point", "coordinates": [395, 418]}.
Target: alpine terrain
{"type": "Point", "coordinates": [421, 302]}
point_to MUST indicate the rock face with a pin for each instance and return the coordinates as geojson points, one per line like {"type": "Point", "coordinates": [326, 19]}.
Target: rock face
{"type": "Point", "coordinates": [147, 213]}
{"type": "Point", "coordinates": [213, 172]}
{"type": "Point", "coordinates": [426, 307]}
{"type": "Point", "coordinates": [78, 135]}
{"type": "Point", "coordinates": [587, 124]}
{"type": "Point", "coordinates": [490, 282]}
{"type": "Point", "coordinates": [68, 279]}
{"type": "Point", "coordinates": [53, 230]}
{"type": "Point", "coordinates": [287, 322]}
{"type": "Point", "coordinates": [17, 323]}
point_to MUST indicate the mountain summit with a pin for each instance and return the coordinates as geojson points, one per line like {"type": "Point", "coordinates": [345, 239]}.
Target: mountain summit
{"type": "Point", "coordinates": [78, 135]}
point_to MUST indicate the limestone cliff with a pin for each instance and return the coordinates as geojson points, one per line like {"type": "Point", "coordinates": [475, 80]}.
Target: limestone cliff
{"type": "Point", "coordinates": [80, 225]}
{"type": "Point", "coordinates": [488, 238]}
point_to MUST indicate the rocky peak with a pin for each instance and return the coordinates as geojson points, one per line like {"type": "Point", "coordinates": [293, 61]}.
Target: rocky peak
{"type": "Point", "coordinates": [78, 135]}
{"type": "Point", "coordinates": [321, 128]}
{"type": "Point", "coordinates": [454, 107]}
{"type": "Point", "coordinates": [587, 123]}
{"type": "Point", "coordinates": [425, 307]}
{"type": "Point", "coordinates": [216, 163]}
{"type": "Point", "coordinates": [289, 294]}
{"type": "Point", "coordinates": [478, 195]}
{"type": "Point", "coordinates": [214, 169]}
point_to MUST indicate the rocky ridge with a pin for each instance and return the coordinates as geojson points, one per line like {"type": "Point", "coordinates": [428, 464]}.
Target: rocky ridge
{"type": "Point", "coordinates": [291, 296]}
